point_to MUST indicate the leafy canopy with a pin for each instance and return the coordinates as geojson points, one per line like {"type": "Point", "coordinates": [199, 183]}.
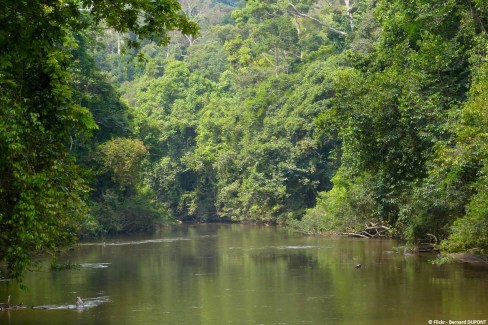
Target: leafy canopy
{"type": "Point", "coordinates": [41, 189]}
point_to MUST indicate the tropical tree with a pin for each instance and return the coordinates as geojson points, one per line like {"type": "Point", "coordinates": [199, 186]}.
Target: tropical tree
{"type": "Point", "coordinates": [42, 189]}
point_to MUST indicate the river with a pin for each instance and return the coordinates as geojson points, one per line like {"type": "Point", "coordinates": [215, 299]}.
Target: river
{"type": "Point", "coordinates": [214, 274]}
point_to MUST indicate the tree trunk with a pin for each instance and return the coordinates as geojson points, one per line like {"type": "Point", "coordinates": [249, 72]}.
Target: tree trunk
{"type": "Point", "coordinates": [349, 14]}
{"type": "Point", "coordinates": [276, 58]}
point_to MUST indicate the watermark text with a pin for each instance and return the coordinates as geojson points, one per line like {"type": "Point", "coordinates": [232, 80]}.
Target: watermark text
{"type": "Point", "coordinates": [457, 322]}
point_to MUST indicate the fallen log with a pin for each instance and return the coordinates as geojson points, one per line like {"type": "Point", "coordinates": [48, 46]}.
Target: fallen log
{"type": "Point", "coordinates": [4, 307]}
{"type": "Point", "coordinates": [371, 230]}
{"type": "Point", "coordinates": [353, 234]}
{"type": "Point", "coordinates": [80, 304]}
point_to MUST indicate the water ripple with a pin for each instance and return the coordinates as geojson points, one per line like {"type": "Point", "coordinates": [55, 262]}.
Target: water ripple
{"type": "Point", "coordinates": [95, 265]}
{"type": "Point", "coordinates": [139, 242]}
{"type": "Point", "coordinates": [87, 304]}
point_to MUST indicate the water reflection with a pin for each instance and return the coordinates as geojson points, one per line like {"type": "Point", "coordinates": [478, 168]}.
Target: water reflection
{"type": "Point", "coordinates": [243, 274]}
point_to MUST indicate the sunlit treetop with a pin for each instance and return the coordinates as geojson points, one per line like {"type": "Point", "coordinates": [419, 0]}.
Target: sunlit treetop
{"type": "Point", "coordinates": [51, 19]}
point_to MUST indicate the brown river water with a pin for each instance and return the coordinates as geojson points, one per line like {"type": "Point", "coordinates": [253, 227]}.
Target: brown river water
{"type": "Point", "coordinates": [213, 274]}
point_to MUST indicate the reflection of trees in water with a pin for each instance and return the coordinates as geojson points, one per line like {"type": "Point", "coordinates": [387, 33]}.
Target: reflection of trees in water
{"type": "Point", "coordinates": [238, 273]}
{"type": "Point", "coordinates": [293, 259]}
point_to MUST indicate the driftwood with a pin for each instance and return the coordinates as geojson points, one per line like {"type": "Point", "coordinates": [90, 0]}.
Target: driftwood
{"type": "Point", "coordinates": [353, 234]}
{"type": "Point", "coordinates": [371, 230]}
{"type": "Point", "coordinates": [79, 304]}
{"type": "Point", "coordinates": [5, 307]}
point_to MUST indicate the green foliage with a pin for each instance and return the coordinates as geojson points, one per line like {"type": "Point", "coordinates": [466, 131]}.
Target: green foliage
{"type": "Point", "coordinates": [470, 232]}
{"type": "Point", "coordinates": [122, 159]}
{"type": "Point", "coordinates": [65, 266]}
{"type": "Point", "coordinates": [121, 202]}
{"type": "Point", "coordinates": [119, 213]}
{"type": "Point", "coordinates": [165, 116]}
{"type": "Point", "coordinates": [408, 158]}
{"type": "Point", "coordinates": [469, 155]}
{"type": "Point", "coordinates": [346, 208]}
{"type": "Point", "coordinates": [149, 20]}
{"type": "Point", "coordinates": [42, 98]}
{"type": "Point", "coordinates": [309, 113]}
{"type": "Point", "coordinates": [208, 59]}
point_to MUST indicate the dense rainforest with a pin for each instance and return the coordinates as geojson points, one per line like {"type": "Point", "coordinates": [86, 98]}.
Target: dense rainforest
{"type": "Point", "coordinates": [358, 117]}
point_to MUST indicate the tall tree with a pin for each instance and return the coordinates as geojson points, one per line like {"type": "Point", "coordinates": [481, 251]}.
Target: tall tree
{"type": "Point", "coordinates": [41, 191]}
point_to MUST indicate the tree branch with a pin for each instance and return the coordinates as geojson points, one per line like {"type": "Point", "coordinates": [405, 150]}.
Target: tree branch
{"type": "Point", "coordinates": [330, 28]}
{"type": "Point", "coordinates": [354, 234]}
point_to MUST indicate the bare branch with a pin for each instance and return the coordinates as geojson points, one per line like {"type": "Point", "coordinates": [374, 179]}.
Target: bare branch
{"type": "Point", "coordinates": [354, 234]}
{"type": "Point", "coordinates": [330, 28]}
{"type": "Point", "coordinates": [190, 39]}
